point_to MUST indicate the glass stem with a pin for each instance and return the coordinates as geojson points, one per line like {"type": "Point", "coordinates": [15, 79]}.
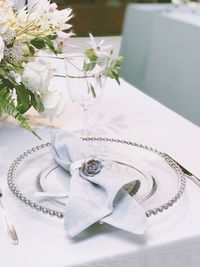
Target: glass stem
{"type": "Point", "coordinates": [85, 119]}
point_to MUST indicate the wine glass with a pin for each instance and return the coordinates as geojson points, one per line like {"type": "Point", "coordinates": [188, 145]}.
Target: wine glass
{"type": "Point", "coordinates": [85, 80]}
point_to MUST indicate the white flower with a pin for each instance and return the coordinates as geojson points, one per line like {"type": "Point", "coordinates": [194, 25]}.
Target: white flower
{"type": "Point", "coordinates": [2, 47]}
{"type": "Point", "coordinates": [3, 23]}
{"type": "Point", "coordinates": [53, 102]}
{"type": "Point", "coordinates": [48, 16]}
{"type": "Point", "coordinates": [37, 6]}
{"type": "Point", "coordinates": [18, 4]}
{"type": "Point", "coordinates": [22, 16]}
{"type": "Point", "coordinates": [9, 36]}
{"type": "Point", "coordinates": [52, 7]}
{"type": "Point", "coordinates": [7, 17]}
{"type": "Point", "coordinates": [98, 48]}
{"type": "Point", "coordinates": [37, 75]}
{"type": "Point", "coordinates": [62, 40]}
{"type": "Point", "coordinates": [16, 76]}
{"type": "Point", "coordinates": [59, 19]}
{"type": "Point", "coordinates": [6, 3]}
{"type": "Point", "coordinates": [16, 52]}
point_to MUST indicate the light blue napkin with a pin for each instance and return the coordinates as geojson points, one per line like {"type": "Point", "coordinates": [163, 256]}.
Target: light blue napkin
{"type": "Point", "coordinates": [95, 198]}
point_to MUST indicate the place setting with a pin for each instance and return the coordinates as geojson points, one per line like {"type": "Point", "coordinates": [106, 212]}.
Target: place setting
{"type": "Point", "coordinates": [82, 182]}
{"type": "Point", "coordinates": [91, 174]}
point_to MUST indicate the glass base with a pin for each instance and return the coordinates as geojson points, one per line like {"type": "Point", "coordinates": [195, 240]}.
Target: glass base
{"type": "Point", "coordinates": [86, 133]}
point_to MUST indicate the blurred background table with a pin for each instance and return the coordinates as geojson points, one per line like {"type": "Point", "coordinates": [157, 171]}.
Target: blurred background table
{"type": "Point", "coordinates": [160, 45]}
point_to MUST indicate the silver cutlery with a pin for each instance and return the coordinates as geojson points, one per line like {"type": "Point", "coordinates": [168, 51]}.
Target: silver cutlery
{"type": "Point", "coordinates": [189, 175]}
{"type": "Point", "coordinates": [7, 222]}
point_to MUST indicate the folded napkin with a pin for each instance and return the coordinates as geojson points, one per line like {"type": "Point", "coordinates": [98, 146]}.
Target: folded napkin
{"type": "Point", "coordinates": [96, 192]}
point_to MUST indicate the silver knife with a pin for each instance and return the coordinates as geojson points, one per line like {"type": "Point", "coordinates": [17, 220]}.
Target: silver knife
{"type": "Point", "coordinates": [7, 223]}
{"type": "Point", "coordinates": [189, 175]}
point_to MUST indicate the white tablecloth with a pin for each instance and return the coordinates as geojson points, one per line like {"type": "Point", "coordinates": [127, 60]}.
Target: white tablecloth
{"type": "Point", "coordinates": [161, 55]}
{"type": "Point", "coordinates": [173, 238]}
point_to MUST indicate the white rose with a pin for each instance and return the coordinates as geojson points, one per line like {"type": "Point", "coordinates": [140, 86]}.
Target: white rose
{"type": "Point", "coordinates": [53, 102]}
{"type": "Point", "coordinates": [37, 75]}
{"type": "Point", "coordinates": [2, 47]}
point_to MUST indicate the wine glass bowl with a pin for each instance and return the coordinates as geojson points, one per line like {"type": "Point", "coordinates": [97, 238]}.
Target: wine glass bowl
{"type": "Point", "coordinates": [85, 80]}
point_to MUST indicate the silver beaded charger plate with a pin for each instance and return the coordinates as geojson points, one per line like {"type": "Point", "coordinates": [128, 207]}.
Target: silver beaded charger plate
{"type": "Point", "coordinates": [24, 174]}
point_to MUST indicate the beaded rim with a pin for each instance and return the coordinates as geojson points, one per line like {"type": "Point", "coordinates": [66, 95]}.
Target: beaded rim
{"type": "Point", "coordinates": [180, 174]}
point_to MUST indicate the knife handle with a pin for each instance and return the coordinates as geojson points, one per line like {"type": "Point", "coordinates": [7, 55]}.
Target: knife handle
{"type": "Point", "coordinates": [8, 225]}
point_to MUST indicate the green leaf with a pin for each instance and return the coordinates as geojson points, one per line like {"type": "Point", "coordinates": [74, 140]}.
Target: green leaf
{"type": "Point", "coordinates": [92, 60]}
{"type": "Point", "coordinates": [37, 103]}
{"type": "Point", "coordinates": [52, 36]}
{"type": "Point", "coordinates": [1, 110]}
{"type": "Point", "coordinates": [6, 81]}
{"type": "Point", "coordinates": [93, 90]}
{"type": "Point", "coordinates": [116, 77]}
{"type": "Point", "coordinates": [23, 99]}
{"type": "Point", "coordinates": [114, 69]}
{"type": "Point", "coordinates": [89, 66]}
{"type": "Point", "coordinates": [31, 49]}
{"type": "Point", "coordinates": [86, 67]}
{"type": "Point", "coordinates": [50, 45]}
{"type": "Point", "coordinates": [7, 104]}
{"type": "Point", "coordinates": [90, 54]}
{"type": "Point", "coordinates": [3, 73]}
{"type": "Point", "coordinates": [38, 43]}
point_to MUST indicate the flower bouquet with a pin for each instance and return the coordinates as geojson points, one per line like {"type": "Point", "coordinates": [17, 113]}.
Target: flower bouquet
{"type": "Point", "coordinates": [24, 79]}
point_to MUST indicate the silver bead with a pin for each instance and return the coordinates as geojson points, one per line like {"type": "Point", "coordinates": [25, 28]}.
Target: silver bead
{"type": "Point", "coordinates": [149, 213]}
{"type": "Point", "coordinates": [182, 190]}
{"type": "Point", "coordinates": [154, 211]}
{"type": "Point", "coordinates": [12, 187]}
{"type": "Point", "coordinates": [52, 212]}
{"type": "Point", "coordinates": [38, 208]}
{"type": "Point", "coordinates": [32, 205]}
{"type": "Point", "coordinates": [165, 206]}
{"type": "Point", "coordinates": [59, 215]}
{"type": "Point", "coordinates": [27, 202]}
{"type": "Point", "coordinates": [160, 209]}
{"type": "Point", "coordinates": [44, 210]}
